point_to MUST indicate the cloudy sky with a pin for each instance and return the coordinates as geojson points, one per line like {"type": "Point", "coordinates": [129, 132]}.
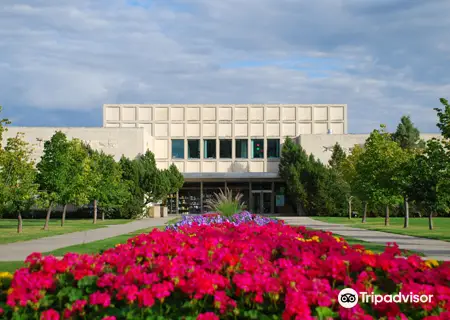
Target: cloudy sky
{"type": "Point", "coordinates": [60, 60]}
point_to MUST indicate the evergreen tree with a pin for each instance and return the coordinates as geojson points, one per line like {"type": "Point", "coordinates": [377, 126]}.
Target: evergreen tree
{"type": "Point", "coordinates": [337, 157]}
{"type": "Point", "coordinates": [407, 135]}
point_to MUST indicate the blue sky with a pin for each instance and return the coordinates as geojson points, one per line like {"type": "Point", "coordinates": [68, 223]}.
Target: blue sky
{"type": "Point", "coordinates": [61, 60]}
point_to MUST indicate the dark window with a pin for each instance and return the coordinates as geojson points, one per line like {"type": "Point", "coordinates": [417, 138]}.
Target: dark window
{"type": "Point", "coordinates": [257, 148]}
{"type": "Point", "coordinates": [194, 149]}
{"type": "Point", "coordinates": [273, 148]}
{"type": "Point", "coordinates": [209, 147]}
{"type": "Point", "coordinates": [225, 149]}
{"type": "Point", "coordinates": [242, 148]}
{"type": "Point", "coordinates": [178, 149]}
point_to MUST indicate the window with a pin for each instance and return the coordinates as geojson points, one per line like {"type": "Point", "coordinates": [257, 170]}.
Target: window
{"type": "Point", "coordinates": [209, 149]}
{"type": "Point", "coordinates": [257, 148]}
{"type": "Point", "coordinates": [273, 148]}
{"type": "Point", "coordinates": [177, 149]}
{"type": "Point", "coordinates": [242, 148]}
{"type": "Point", "coordinates": [194, 149]}
{"type": "Point", "coordinates": [225, 149]}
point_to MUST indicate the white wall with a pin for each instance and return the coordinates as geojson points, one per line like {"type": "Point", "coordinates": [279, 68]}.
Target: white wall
{"type": "Point", "coordinates": [114, 141]}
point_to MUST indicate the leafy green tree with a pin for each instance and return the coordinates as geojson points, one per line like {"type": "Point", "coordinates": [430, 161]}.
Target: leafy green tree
{"type": "Point", "coordinates": [17, 177]}
{"type": "Point", "coordinates": [431, 178]}
{"type": "Point", "coordinates": [74, 190]}
{"type": "Point", "coordinates": [105, 181]}
{"type": "Point", "coordinates": [53, 170]}
{"type": "Point", "coordinates": [377, 165]}
{"type": "Point", "coordinates": [337, 156]}
{"type": "Point", "coordinates": [131, 172]}
{"type": "Point", "coordinates": [293, 159]}
{"type": "Point", "coordinates": [444, 118]}
{"type": "Point", "coordinates": [407, 135]}
{"type": "Point", "coordinates": [151, 182]}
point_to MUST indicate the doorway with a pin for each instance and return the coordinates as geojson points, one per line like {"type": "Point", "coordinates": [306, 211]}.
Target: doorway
{"type": "Point", "coordinates": [261, 201]}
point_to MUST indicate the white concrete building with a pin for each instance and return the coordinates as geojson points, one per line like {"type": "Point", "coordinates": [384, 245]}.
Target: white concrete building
{"type": "Point", "coordinates": [214, 146]}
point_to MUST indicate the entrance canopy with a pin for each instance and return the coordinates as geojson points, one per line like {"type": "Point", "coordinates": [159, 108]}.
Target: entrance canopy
{"type": "Point", "coordinates": [241, 176]}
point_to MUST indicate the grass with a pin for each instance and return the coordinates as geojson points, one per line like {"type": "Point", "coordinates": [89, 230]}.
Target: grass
{"type": "Point", "coordinates": [32, 228]}
{"type": "Point", "coordinates": [418, 227]}
{"type": "Point", "coordinates": [88, 248]}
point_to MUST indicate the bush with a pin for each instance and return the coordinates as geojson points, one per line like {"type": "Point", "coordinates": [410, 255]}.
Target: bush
{"type": "Point", "coordinates": [230, 271]}
{"type": "Point", "coordinates": [225, 204]}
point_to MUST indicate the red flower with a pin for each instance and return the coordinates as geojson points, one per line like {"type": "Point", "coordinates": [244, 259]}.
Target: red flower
{"type": "Point", "coordinates": [100, 298]}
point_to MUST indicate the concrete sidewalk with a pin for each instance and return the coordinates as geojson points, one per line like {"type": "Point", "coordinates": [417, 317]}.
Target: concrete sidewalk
{"type": "Point", "coordinates": [18, 251]}
{"type": "Point", "coordinates": [433, 249]}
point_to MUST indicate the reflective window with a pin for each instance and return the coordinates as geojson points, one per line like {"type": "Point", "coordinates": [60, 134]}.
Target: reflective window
{"type": "Point", "coordinates": [194, 149]}
{"type": "Point", "coordinates": [177, 149]}
{"type": "Point", "coordinates": [257, 148]}
{"type": "Point", "coordinates": [226, 149]}
{"type": "Point", "coordinates": [241, 148]}
{"type": "Point", "coordinates": [273, 148]}
{"type": "Point", "coordinates": [209, 148]}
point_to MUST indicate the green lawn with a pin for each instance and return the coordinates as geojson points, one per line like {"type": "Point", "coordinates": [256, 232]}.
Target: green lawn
{"type": "Point", "coordinates": [417, 226]}
{"type": "Point", "coordinates": [32, 228]}
{"type": "Point", "coordinates": [91, 247]}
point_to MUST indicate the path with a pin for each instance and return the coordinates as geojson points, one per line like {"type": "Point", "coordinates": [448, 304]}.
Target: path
{"type": "Point", "coordinates": [18, 251]}
{"type": "Point", "coordinates": [433, 249]}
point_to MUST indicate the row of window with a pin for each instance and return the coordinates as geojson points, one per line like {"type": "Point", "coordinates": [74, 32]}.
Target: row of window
{"type": "Point", "coordinates": [225, 148]}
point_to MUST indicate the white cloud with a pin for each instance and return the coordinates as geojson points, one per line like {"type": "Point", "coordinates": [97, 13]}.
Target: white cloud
{"type": "Point", "coordinates": [382, 58]}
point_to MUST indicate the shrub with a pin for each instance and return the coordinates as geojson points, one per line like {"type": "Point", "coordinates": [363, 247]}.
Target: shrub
{"type": "Point", "coordinates": [230, 271]}
{"type": "Point", "coordinates": [224, 203]}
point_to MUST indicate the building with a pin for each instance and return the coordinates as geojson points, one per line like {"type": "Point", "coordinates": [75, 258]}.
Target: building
{"type": "Point", "coordinates": [215, 146]}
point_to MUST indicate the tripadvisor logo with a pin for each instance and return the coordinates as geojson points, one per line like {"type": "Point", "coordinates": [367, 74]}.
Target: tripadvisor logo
{"type": "Point", "coordinates": [348, 298]}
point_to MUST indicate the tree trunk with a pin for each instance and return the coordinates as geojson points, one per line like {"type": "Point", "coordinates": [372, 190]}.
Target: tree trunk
{"type": "Point", "coordinates": [430, 221]}
{"type": "Point", "coordinates": [103, 215]}
{"type": "Point", "coordinates": [19, 223]}
{"type": "Point", "coordinates": [63, 217]}
{"type": "Point", "coordinates": [350, 209]}
{"type": "Point", "coordinates": [386, 218]}
{"type": "Point", "coordinates": [406, 205]}
{"type": "Point", "coordinates": [47, 218]}
{"type": "Point", "coordinates": [95, 212]}
{"type": "Point", "coordinates": [364, 219]}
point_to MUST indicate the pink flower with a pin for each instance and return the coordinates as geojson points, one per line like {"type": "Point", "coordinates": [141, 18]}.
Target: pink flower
{"type": "Point", "coordinates": [207, 316]}
{"type": "Point", "coordinates": [100, 298]}
{"type": "Point", "coordinates": [50, 315]}
{"type": "Point", "coordinates": [109, 318]}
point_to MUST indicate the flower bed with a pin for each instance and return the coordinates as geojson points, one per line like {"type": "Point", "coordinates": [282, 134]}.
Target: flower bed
{"type": "Point", "coordinates": [215, 218]}
{"type": "Point", "coordinates": [243, 271]}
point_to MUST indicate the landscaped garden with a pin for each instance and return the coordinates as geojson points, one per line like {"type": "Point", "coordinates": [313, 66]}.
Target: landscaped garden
{"type": "Point", "coordinates": [214, 267]}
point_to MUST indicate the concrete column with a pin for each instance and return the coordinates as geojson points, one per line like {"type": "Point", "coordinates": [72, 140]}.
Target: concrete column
{"type": "Point", "coordinates": [177, 203]}
{"type": "Point", "coordinates": [272, 199]}
{"type": "Point", "coordinates": [201, 197]}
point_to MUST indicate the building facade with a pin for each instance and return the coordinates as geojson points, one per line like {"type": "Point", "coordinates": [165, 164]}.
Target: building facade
{"type": "Point", "coordinates": [214, 146]}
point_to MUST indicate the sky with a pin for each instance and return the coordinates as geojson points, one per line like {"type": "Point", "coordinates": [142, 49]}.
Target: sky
{"type": "Point", "coordinates": [61, 60]}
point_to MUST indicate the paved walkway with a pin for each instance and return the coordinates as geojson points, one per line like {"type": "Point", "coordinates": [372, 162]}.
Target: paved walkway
{"type": "Point", "coordinates": [433, 249]}
{"type": "Point", "coordinates": [18, 251]}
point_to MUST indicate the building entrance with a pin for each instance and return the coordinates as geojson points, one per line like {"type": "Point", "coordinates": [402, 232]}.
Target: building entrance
{"type": "Point", "coordinates": [261, 201]}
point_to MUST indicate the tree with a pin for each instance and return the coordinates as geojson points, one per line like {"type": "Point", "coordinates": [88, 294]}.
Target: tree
{"type": "Point", "coordinates": [106, 188]}
{"type": "Point", "coordinates": [17, 177]}
{"type": "Point", "coordinates": [431, 178]}
{"type": "Point", "coordinates": [53, 170]}
{"type": "Point", "coordinates": [130, 179]}
{"type": "Point", "coordinates": [377, 165]}
{"type": "Point", "coordinates": [337, 156]}
{"type": "Point", "coordinates": [356, 181]}
{"type": "Point", "coordinates": [293, 158]}
{"type": "Point", "coordinates": [74, 189]}
{"type": "Point", "coordinates": [444, 118]}
{"type": "Point", "coordinates": [407, 135]}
